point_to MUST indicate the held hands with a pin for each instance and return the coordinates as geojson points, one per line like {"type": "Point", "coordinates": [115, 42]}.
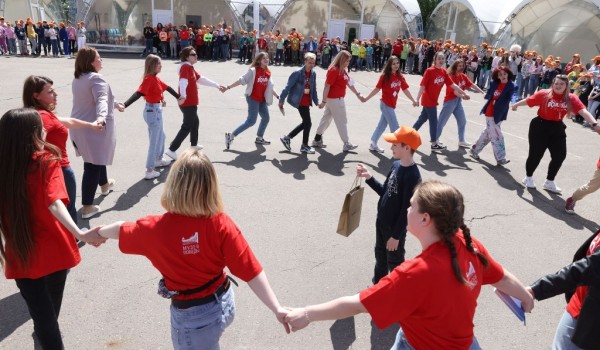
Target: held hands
{"type": "Point", "coordinates": [120, 107]}
{"type": "Point", "coordinates": [415, 103]}
{"type": "Point", "coordinates": [163, 102]}
{"type": "Point", "coordinates": [181, 100]}
{"type": "Point", "coordinates": [361, 171]}
{"type": "Point", "coordinates": [362, 98]}
{"type": "Point", "coordinates": [297, 319]}
{"type": "Point", "coordinates": [514, 107]}
{"type": "Point", "coordinates": [97, 126]}
{"type": "Point", "coordinates": [322, 104]}
{"type": "Point", "coordinates": [281, 313]}
{"type": "Point", "coordinates": [466, 97]}
{"type": "Point", "coordinates": [92, 237]}
{"type": "Point", "coordinates": [222, 88]}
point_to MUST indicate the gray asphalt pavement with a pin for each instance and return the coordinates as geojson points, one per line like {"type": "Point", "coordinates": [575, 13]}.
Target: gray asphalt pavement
{"type": "Point", "coordinates": [287, 205]}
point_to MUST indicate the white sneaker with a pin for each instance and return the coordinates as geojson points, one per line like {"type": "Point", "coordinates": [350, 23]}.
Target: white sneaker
{"type": "Point", "coordinates": [375, 148]}
{"type": "Point", "coordinates": [107, 187]}
{"type": "Point", "coordinates": [349, 147]}
{"type": "Point", "coordinates": [151, 175]}
{"type": "Point", "coordinates": [162, 163]}
{"type": "Point", "coordinates": [198, 147]}
{"type": "Point", "coordinates": [171, 154]}
{"type": "Point", "coordinates": [528, 182]}
{"type": "Point", "coordinates": [464, 144]}
{"type": "Point", "coordinates": [318, 144]}
{"type": "Point", "coordinates": [550, 186]}
{"type": "Point", "coordinates": [95, 210]}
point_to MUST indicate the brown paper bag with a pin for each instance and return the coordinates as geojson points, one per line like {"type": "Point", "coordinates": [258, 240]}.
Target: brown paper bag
{"type": "Point", "coordinates": [350, 215]}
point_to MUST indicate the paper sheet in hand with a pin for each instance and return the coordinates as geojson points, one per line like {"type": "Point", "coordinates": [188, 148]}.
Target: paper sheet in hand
{"type": "Point", "coordinates": [513, 304]}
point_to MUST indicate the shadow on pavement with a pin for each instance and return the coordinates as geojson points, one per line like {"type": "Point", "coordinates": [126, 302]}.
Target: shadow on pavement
{"type": "Point", "coordinates": [246, 160]}
{"type": "Point", "coordinates": [295, 166]}
{"type": "Point", "coordinates": [343, 333]}
{"type": "Point", "coordinates": [137, 191]}
{"type": "Point", "coordinates": [329, 163]}
{"type": "Point", "coordinates": [383, 339]}
{"type": "Point", "coordinates": [14, 314]}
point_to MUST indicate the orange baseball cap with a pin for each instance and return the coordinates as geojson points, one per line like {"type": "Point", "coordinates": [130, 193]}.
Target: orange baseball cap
{"type": "Point", "coordinates": [406, 135]}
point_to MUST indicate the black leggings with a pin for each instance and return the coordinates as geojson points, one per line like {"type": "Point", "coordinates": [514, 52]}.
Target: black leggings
{"type": "Point", "coordinates": [43, 297]}
{"type": "Point", "coordinates": [190, 126]}
{"type": "Point", "coordinates": [304, 126]}
{"type": "Point", "coordinates": [546, 135]}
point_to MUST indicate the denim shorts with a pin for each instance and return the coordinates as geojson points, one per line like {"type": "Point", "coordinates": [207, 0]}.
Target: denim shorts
{"type": "Point", "coordinates": [200, 327]}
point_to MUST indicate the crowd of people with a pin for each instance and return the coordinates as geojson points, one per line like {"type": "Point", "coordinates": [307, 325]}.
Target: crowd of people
{"type": "Point", "coordinates": [37, 194]}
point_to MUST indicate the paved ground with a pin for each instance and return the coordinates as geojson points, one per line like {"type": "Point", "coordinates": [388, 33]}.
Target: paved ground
{"type": "Point", "coordinates": [287, 205]}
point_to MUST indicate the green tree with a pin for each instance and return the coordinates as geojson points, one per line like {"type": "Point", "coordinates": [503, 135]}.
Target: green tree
{"type": "Point", "coordinates": [427, 7]}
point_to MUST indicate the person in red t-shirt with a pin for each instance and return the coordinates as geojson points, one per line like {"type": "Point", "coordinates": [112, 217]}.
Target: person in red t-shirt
{"type": "Point", "coordinates": [37, 234]}
{"type": "Point", "coordinates": [434, 79]}
{"type": "Point", "coordinates": [547, 130]}
{"type": "Point", "coordinates": [452, 267]}
{"type": "Point", "coordinates": [495, 110]}
{"type": "Point", "coordinates": [336, 81]}
{"type": "Point", "coordinates": [453, 103]}
{"type": "Point", "coordinates": [301, 93]}
{"type": "Point", "coordinates": [390, 83]}
{"type": "Point", "coordinates": [259, 95]}
{"type": "Point", "coordinates": [152, 89]}
{"type": "Point", "coordinates": [39, 93]}
{"type": "Point", "coordinates": [189, 79]}
{"type": "Point", "coordinates": [191, 245]}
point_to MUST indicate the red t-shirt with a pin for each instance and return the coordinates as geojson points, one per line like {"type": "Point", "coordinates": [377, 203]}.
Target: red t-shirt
{"type": "Point", "coordinates": [261, 81]}
{"type": "Point", "coordinates": [433, 308]}
{"type": "Point", "coordinates": [56, 134]}
{"type": "Point", "coordinates": [337, 81]}
{"type": "Point", "coordinates": [184, 35]}
{"type": "Point", "coordinates": [152, 88]}
{"type": "Point", "coordinates": [186, 71]}
{"type": "Point", "coordinates": [190, 251]}
{"type": "Point", "coordinates": [397, 48]}
{"type": "Point", "coordinates": [391, 88]}
{"type": "Point", "coordinates": [55, 248]}
{"type": "Point", "coordinates": [489, 111]}
{"type": "Point", "coordinates": [574, 305]}
{"type": "Point", "coordinates": [433, 81]}
{"type": "Point", "coordinates": [305, 101]}
{"type": "Point", "coordinates": [462, 81]}
{"type": "Point", "coordinates": [553, 108]}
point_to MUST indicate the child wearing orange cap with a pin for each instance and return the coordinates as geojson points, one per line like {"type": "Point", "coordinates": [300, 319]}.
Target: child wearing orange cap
{"type": "Point", "coordinates": [21, 35]}
{"type": "Point", "coordinates": [53, 35]}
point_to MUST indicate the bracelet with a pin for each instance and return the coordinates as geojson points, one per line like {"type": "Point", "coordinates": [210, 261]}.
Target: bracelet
{"type": "Point", "coordinates": [306, 315]}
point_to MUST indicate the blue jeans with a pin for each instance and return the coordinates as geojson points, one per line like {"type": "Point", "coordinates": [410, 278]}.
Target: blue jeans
{"type": "Point", "coordinates": [71, 185]}
{"type": "Point", "coordinates": [225, 51]}
{"type": "Point", "coordinates": [388, 117]}
{"type": "Point", "coordinates": [154, 119]}
{"type": "Point", "coordinates": [534, 81]}
{"type": "Point", "coordinates": [455, 107]}
{"type": "Point", "coordinates": [428, 113]}
{"type": "Point", "coordinates": [564, 332]}
{"type": "Point", "coordinates": [523, 87]}
{"type": "Point", "coordinates": [370, 63]}
{"type": "Point", "coordinates": [401, 343]}
{"type": "Point", "coordinates": [200, 327]}
{"type": "Point", "coordinates": [254, 109]}
{"type": "Point", "coordinates": [484, 76]}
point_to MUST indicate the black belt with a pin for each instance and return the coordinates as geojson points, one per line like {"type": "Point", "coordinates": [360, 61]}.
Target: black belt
{"type": "Point", "coordinates": [185, 304]}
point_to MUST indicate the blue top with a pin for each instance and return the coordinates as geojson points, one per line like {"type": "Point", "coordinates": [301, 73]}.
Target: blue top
{"type": "Point", "coordinates": [394, 196]}
{"type": "Point", "coordinates": [502, 103]}
{"type": "Point", "coordinates": [294, 89]}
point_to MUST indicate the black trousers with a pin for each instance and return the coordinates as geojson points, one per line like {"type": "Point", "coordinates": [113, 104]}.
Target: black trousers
{"type": "Point", "coordinates": [93, 175]}
{"type": "Point", "coordinates": [304, 126]}
{"type": "Point", "coordinates": [546, 135]}
{"type": "Point", "coordinates": [190, 126]}
{"type": "Point", "coordinates": [44, 297]}
{"type": "Point", "coordinates": [385, 260]}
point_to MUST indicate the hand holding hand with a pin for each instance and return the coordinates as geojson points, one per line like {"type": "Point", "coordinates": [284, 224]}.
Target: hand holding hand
{"type": "Point", "coordinates": [362, 99]}
{"type": "Point", "coordinates": [392, 244]}
{"type": "Point", "coordinates": [297, 319]}
{"type": "Point", "coordinates": [527, 304]}
{"type": "Point", "coordinates": [466, 97]}
{"type": "Point", "coordinates": [281, 313]}
{"type": "Point", "coordinates": [92, 237]}
{"type": "Point", "coordinates": [163, 102]}
{"type": "Point", "coordinates": [322, 104]}
{"type": "Point", "coordinates": [361, 171]}
{"type": "Point", "coordinates": [514, 107]}
{"type": "Point", "coordinates": [97, 126]}
{"type": "Point", "coordinates": [120, 107]}
{"type": "Point", "coordinates": [181, 100]}
{"type": "Point", "coordinates": [222, 88]}
{"type": "Point", "coordinates": [415, 103]}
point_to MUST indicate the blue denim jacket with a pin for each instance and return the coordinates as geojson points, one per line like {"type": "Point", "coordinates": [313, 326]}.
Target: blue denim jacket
{"type": "Point", "coordinates": [502, 104]}
{"type": "Point", "coordinates": [294, 89]}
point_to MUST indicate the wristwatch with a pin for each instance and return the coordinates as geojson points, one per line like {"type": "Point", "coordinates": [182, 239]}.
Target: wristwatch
{"type": "Point", "coordinates": [594, 125]}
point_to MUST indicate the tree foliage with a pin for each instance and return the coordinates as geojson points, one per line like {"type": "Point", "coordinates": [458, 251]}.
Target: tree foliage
{"type": "Point", "coordinates": [427, 7]}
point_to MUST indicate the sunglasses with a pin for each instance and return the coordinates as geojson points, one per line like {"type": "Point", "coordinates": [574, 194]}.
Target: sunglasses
{"type": "Point", "coordinates": [562, 76]}
{"type": "Point", "coordinates": [192, 54]}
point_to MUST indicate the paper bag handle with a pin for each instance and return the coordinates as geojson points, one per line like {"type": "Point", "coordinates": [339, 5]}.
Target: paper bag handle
{"type": "Point", "coordinates": [357, 182]}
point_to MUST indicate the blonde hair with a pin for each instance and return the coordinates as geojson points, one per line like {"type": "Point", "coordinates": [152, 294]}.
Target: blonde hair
{"type": "Point", "coordinates": [342, 57]}
{"type": "Point", "coordinates": [150, 64]}
{"type": "Point", "coordinates": [192, 187]}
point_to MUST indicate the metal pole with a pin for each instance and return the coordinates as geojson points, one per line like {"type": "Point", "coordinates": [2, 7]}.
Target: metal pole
{"type": "Point", "coordinates": [329, 18]}
{"type": "Point", "coordinates": [256, 15]}
{"type": "Point", "coordinates": [362, 15]}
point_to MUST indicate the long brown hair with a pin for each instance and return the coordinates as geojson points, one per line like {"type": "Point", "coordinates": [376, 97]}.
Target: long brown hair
{"type": "Point", "coordinates": [453, 67]}
{"type": "Point", "coordinates": [258, 58]}
{"type": "Point", "coordinates": [341, 57]}
{"type": "Point", "coordinates": [83, 61]}
{"type": "Point", "coordinates": [152, 61]}
{"type": "Point", "coordinates": [34, 84]}
{"type": "Point", "coordinates": [387, 69]}
{"type": "Point", "coordinates": [445, 205]}
{"type": "Point", "coordinates": [20, 139]}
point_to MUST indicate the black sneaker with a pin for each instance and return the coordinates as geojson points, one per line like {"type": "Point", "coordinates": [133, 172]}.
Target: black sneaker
{"type": "Point", "coordinates": [261, 141]}
{"type": "Point", "coordinates": [286, 142]}
{"type": "Point", "coordinates": [228, 140]}
{"type": "Point", "coordinates": [437, 147]}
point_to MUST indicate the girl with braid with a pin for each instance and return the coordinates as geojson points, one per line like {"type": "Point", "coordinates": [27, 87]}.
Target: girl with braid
{"type": "Point", "coordinates": [433, 296]}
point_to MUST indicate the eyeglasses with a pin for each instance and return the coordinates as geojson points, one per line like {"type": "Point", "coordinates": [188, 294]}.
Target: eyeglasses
{"type": "Point", "coordinates": [192, 54]}
{"type": "Point", "coordinates": [562, 76]}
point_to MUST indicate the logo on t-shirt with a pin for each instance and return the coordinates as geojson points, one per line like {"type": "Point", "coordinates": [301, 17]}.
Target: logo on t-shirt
{"type": "Point", "coordinates": [392, 185]}
{"type": "Point", "coordinates": [557, 104]}
{"type": "Point", "coordinates": [439, 81]}
{"type": "Point", "coordinates": [190, 245]}
{"type": "Point", "coordinates": [471, 276]}
{"type": "Point", "coordinates": [497, 93]}
{"type": "Point", "coordinates": [262, 80]}
{"type": "Point", "coordinates": [396, 84]}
